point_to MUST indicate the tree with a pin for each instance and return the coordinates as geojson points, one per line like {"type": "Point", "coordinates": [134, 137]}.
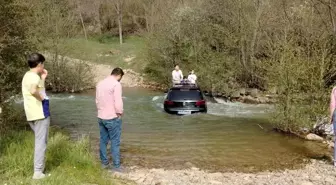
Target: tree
{"type": "Point", "coordinates": [118, 4]}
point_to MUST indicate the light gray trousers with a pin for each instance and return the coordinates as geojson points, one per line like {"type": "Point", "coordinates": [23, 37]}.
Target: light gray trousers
{"type": "Point", "coordinates": [41, 129]}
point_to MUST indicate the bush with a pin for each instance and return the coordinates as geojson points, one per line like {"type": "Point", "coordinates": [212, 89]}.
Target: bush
{"type": "Point", "coordinates": [68, 75]}
{"type": "Point", "coordinates": [11, 118]}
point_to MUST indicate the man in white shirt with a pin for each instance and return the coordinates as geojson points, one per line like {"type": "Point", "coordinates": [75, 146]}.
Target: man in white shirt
{"type": "Point", "coordinates": [192, 77]}
{"type": "Point", "coordinates": [177, 75]}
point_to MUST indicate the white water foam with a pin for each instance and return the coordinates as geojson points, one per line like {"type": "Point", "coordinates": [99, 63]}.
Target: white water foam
{"type": "Point", "coordinates": [231, 109]}
{"type": "Point", "coordinates": [156, 98]}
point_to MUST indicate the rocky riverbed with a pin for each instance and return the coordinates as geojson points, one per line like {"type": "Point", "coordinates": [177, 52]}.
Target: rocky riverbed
{"type": "Point", "coordinates": [315, 173]}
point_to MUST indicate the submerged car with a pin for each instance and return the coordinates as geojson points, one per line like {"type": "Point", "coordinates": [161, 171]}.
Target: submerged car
{"type": "Point", "coordinates": [185, 99]}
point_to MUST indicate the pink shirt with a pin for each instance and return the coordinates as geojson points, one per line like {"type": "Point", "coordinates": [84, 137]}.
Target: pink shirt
{"type": "Point", "coordinates": [109, 98]}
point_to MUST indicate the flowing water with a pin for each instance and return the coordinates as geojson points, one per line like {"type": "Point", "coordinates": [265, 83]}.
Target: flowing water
{"type": "Point", "coordinates": [231, 137]}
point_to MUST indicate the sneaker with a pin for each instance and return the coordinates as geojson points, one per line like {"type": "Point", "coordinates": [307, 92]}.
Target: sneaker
{"type": "Point", "coordinates": [105, 166]}
{"type": "Point", "coordinates": [38, 175]}
{"type": "Point", "coordinates": [118, 170]}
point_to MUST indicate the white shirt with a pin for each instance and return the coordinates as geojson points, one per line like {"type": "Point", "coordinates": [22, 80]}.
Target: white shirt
{"type": "Point", "coordinates": [192, 78]}
{"type": "Point", "coordinates": [177, 76]}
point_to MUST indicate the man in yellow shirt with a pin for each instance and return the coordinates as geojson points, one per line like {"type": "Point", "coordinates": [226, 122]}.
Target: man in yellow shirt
{"type": "Point", "coordinates": [36, 106]}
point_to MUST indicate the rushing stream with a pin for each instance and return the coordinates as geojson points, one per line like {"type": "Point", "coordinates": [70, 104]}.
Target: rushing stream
{"type": "Point", "coordinates": [232, 136]}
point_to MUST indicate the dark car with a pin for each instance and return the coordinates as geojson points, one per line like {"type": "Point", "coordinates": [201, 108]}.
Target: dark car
{"type": "Point", "coordinates": [185, 99]}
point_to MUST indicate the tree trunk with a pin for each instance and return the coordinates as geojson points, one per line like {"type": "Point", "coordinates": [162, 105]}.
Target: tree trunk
{"type": "Point", "coordinates": [118, 8]}
{"type": "Point", "coordinates": [82, 21]}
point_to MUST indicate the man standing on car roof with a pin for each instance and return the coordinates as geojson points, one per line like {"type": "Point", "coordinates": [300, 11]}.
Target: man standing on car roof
{"type": "Point", "coordinates": [177, 75]}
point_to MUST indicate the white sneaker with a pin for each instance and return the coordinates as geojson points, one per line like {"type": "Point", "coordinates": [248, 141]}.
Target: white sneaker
{"type": "Point", "coordinates": [38, 175]}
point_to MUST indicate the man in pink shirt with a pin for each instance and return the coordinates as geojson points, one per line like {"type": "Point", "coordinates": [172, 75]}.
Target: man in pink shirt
{"type": "Point", "coordinates": [333, 116]}
{"type": "Point", "coordinates": [110, 109]}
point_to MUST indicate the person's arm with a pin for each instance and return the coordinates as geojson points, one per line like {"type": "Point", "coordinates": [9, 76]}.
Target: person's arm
{"type": "Point", "coordinates": [332, 103]}
{"type": "Point", "coordinates": [34, 90]}
{"type": "Point", "coordinates": [181, 74]}
{"type": "Point", "coordinates": [117, 93]}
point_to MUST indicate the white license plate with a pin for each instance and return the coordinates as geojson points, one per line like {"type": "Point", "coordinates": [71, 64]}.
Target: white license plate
{"type": "Point", "coordinates": [184, 112]}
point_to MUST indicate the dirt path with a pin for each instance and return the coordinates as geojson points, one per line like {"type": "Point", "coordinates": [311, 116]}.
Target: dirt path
{"type": "Point", "coordinates": [130, 79]}
{"type": "Point", "coordinates": [315, 173]}
{"type": "Point", "coordinates": [100, 71]}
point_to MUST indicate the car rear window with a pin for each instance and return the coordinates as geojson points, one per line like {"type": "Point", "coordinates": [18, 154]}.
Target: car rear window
{"type": "Point", "coordinates": [185, 94]}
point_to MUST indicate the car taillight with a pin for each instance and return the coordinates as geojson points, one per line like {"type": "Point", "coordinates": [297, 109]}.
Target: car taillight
{"type": "Point", "coordinates": [201, 102]}
{"type": "Point", "coordinates": [167, 102]}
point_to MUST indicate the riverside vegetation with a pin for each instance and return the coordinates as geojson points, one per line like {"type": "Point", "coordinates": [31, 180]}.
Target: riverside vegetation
{"type": "Point", "coordinates": [264, 44]}
{"type": "Point", "coordinates": [68, 162]}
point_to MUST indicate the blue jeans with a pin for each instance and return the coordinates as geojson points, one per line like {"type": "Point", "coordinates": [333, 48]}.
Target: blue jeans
{"type": "Point", "coordinates": [110, 130]}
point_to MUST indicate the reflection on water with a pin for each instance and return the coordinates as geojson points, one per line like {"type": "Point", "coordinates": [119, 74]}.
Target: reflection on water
{"type": "Point", "coordinates": [232, 136]}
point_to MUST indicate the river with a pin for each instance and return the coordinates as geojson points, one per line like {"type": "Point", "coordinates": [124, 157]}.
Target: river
{"type": "Point", "coordinates": [231, 137]}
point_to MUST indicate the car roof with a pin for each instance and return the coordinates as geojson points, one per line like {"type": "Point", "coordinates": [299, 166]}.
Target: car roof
{"type": "Point", "coordinates": [185, 86]}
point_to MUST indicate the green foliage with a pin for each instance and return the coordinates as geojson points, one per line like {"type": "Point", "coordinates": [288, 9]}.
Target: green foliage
{"type": "Point", "coordinates": [12, 117]}
{"type": "Point", "coordinates": [68, 162]}
{"type": "Point", "coordinates": [50, 25]}
{"type": "Point", "coordinates": [13, 46]}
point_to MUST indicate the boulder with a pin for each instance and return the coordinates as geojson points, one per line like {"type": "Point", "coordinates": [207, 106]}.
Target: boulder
{"type": "Point", "coordinates": [250, 100]}
{"type": "Point", "coordinates": [235, 95]}
{"type": "Point", "coordinates": [254, 93]}
{"type": "Point", "coordinates": [314, 137]}
{"type": "Point", "coordinates": [242, 91]}
{"type": "Point", "coordinates": [323, 127]}
{"type": "Point", "coordinates": [263, 100]}
{"type": "Point", "coordinates": [330, 144]}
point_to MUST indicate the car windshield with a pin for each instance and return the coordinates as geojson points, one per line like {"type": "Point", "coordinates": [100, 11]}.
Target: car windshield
{"type": "Point", "coordinates": [185, 94]}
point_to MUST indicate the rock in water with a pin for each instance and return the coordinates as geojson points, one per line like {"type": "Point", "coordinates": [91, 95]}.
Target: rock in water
{"type": "Point", "coordinates": [314, 137]}
{"type": "Point", "coordinates": [323, 127]}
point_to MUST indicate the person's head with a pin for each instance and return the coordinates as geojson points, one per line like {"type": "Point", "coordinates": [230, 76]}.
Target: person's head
{"type": "Point", "coordinates": [185, 77]}
{"type": "Point", "coordinates": [118, 73]}
{"type": "Point", "coordinates": [36, 62]}
{"type": "Point", "coordinates": [192, 72]}
{"type": "Point", "coordinates": [177, 67]}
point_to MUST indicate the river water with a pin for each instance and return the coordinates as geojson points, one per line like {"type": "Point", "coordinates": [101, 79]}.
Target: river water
{"type": "Point", "coordinates": [231, 137]}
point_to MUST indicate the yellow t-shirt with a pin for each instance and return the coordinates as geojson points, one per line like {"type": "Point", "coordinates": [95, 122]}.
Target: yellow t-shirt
{"type": "Point", "coordinates": [34, 108]}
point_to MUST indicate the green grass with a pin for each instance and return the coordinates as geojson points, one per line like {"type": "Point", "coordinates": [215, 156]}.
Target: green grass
{"type": "Point", "coordinates": [68, 162]}
{"type": "Point", "coordinates": [106, 49]}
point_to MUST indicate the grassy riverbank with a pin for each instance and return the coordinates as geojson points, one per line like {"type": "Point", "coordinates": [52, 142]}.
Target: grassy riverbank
{"type": "Point", "coordinates": [107, 50]}
{"type": "Point", "coordinates": [68, 162]}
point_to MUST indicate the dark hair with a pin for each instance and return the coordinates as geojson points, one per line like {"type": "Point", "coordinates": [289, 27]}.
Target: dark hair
{"type": "Point", "coordinates": [35, 59]}
{"type": "Point", "coordinates": [185, 77]}
{"type": "Point", "coordinates": [117, 71]}
{"type": "Point", "coordinates": [175, 65]}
